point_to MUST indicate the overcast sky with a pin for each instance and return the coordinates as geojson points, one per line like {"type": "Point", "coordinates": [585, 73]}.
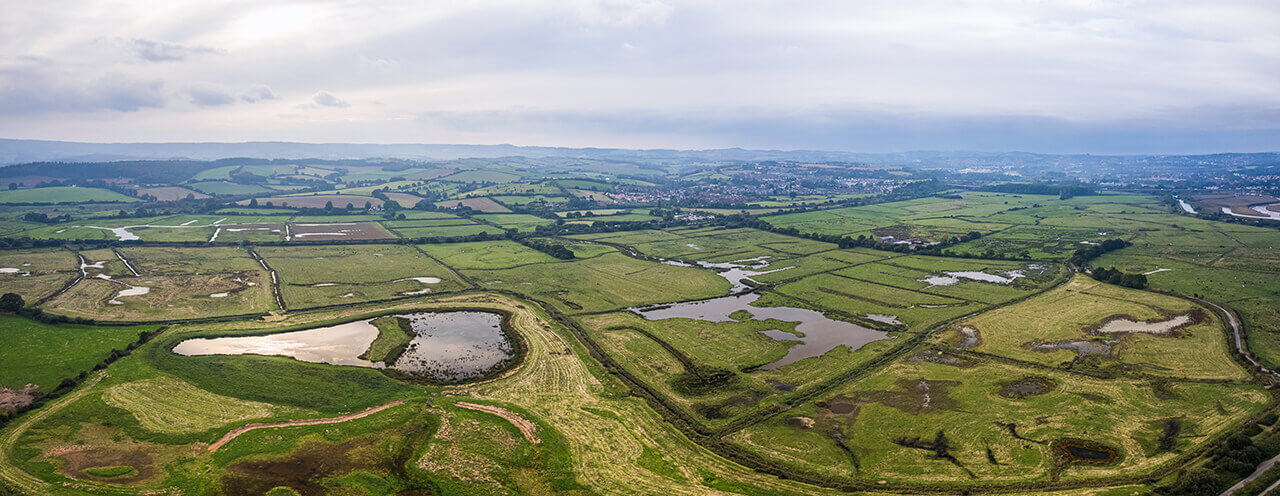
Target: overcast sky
{"type": "Point", "coordinates": [1053, 76]}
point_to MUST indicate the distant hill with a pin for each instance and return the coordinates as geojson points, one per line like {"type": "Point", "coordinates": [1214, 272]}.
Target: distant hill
{"type": "Point", "coordinates": [27, 151]}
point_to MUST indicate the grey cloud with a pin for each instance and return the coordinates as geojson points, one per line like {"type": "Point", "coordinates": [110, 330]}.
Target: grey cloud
{"type": "Point", "coordinates": [31, 92]}
{"type": "Point", "coordinates": [258, 93]}
{"type": "Point", "coordinates": [326, 99]}
{"type": "Point", "coordinates": [1203, 130]}
{"type": "Point", "coordinates": [160, 51]}
{"type": "Point", "coordinates": [209, 96]}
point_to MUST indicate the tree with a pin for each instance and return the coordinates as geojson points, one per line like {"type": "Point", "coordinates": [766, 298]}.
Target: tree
{"type": "Point", "coordinates": [11, 302]}
{"type": "Point", "coordinates": [253, 202]}
{"type": "Point", "coordinates": [328, 205]}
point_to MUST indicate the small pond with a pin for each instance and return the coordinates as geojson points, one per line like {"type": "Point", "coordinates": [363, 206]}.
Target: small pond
{"type": "Point", "coordinates": [821, 334]}
{"type": "Point", "coordinates": [446, 346]}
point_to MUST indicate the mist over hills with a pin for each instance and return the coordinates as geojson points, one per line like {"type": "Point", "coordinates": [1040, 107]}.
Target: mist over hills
{"type": "Point", "coordinates": [13, 151]}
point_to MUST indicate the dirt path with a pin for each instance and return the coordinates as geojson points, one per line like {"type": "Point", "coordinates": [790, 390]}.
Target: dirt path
{"type": "Point", "coordinates": [294, 423]}
{"type": "Point", "coordinates": [529, 429]}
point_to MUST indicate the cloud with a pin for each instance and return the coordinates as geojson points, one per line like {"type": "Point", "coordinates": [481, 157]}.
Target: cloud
{"type": "Point", "coordinates": [209, 96]}
{"type": "Point", "coordinates": [35, 92]}
{"type": "Point", "coordinates": [159, 51]}
{"type": "Point", "coordinates": [257, 93]}
{"type": "Point", "coordinates": [326, 99]}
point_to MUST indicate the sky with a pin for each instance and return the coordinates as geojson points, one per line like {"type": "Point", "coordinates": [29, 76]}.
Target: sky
{"type": "Point", "coordinates": [1075, 76]}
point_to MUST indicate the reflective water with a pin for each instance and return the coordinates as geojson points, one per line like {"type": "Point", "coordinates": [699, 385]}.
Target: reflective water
{"type": "Point", "coordinates": [447, 346]}
{"type": "Point", "coordinates": [821, 334]}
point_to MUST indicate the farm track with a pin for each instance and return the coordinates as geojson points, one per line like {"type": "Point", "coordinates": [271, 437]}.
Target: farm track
{"type": "Point", "coordinates": [234, 433]}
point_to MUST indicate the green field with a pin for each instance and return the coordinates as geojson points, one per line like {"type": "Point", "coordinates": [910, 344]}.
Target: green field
{"type": "Point", "coordinates": [62, 194]}
{"type": "Point", "coordinates": [355, 273]}
{"type": "Point", "coordinates": [181, 283]}
{"type": "Point", "coordinates": [45, 354]}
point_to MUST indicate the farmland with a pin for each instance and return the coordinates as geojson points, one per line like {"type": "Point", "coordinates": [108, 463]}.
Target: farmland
{"type": "Point", "coordinates": [654, 329]}
{"type": "Point", "coordinates": [62, 194]}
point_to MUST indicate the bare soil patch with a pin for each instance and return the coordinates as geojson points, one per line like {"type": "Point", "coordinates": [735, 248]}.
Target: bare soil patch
{"type": "Point", "coordinates": [14, 399]}
{"type": "Point", "coordinates": [79, 461]}
{"type": "Point", "coordinates": [1027, 386]}
{"type": "Point", "coordinates": [332, 232]}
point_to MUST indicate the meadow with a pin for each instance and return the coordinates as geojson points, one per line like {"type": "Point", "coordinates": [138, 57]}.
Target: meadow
{"type": "Point", "coordinates": [356, 273]}
{"type": "Point", "coordinates": [62, 194]}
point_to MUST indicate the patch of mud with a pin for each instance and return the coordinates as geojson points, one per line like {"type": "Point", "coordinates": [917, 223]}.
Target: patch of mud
{"type": "Point", "coordinates": [971, 337]}
{"type": "Point", "coordinates": [306, 468]}
{"type": "Point", "coordinates": [913, 396]}
{"type": "Point", "coordinates": [801, 422]}
{"type": "Point", "coordinates": [1081, 347]}
{"type": "Point", "coordinates": [942, 358]}
{"type": "Point", "coordinates": [76, 462]}
{"type": "Point", "coordinates": [1027, 386]}
{"type": "Point", "coordinates": [884, 319]}
{"type": "Point", "coordinates": [15, 399]}
{"type": "Point", "coordinates": [1085, 452]}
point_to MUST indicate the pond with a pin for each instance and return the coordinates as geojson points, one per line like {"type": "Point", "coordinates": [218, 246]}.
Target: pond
{"type": "Point", "coordinates": [446, 346]}
{"type": "Point", "coordinates": [820, 334]}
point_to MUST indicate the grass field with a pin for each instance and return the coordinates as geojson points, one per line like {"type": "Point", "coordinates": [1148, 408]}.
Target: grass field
{"type": "Point", "coordinates": [182, 283]}
{"type": "Point", "coordinates": [485, 254]}
{"type": "Point", "coordinates": [606, 282]}
{"type": "Point", "coordinates": [1071, 313]}
{"type": "Point", "coordinates": [355, 273]}
{"type": "Point", "coordinates": [62, 194]}
{"type": "Point", "coordinates": [45, 354]}
{"type": "Point", "coordinates": [913, 399]}
{"type": "Point", "coordinates": [36, 274]}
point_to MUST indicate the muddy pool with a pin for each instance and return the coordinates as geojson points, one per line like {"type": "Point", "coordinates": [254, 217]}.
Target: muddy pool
{"type": "Point", "coordinates": [446, 346]}
{"type": "Point", "coordinates": [820, 334]}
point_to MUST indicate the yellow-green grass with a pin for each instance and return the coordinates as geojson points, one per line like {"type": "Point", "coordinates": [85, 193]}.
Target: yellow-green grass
{"type": "Point", "coordinates": [312, 276]}
{"type": "Point", "coordinates": [166, 404]}
{"type": "Point", "coordinates": [521, 222]}
{"type": "Point", "coordinates": [918, 311]}
{"type": "Point", "coordinates": [966, 405]}
{"type": "Point", "coordinates": [184, 283]}
{"type": "Point", "coordinates": [39, 273]}
{"type": "Point", "coordinates": [1069, 312]}
{"type": "Point", "coordinates": [45, 354]}
{"type": "Point", "coordinates": [446, 231]}
{"type": "Point", "coordinates": [607, 282]}
{"type": "Point", "coordinates": [498, 254]}
{"type": "Point", "coordinates": [62, 194]}
{"type": "Point", "coordinates": [391, 340]}
{"type": "Point", "coordinates": [726, 346]}
{"type": "Point", "coordinates": [171, 297]}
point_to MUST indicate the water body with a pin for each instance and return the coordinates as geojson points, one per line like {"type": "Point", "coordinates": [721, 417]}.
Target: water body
{"type": "Point", "coordinates": [341, 344]}
{"type": "Point", "coordinates": [1160, 327]}
{"type": "Point", "coordinates": [123, 234]}
{"type": "Point", "coordinates": [953, 278]}
{"type": "Point", "coordinates": [1264, 212]}
{"type": "Point", "coordinates": [734, 272]}
{"type": "Point", "coordinates": [447, 346]}
{"type": "Point", "coordinates": [821, 334]}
